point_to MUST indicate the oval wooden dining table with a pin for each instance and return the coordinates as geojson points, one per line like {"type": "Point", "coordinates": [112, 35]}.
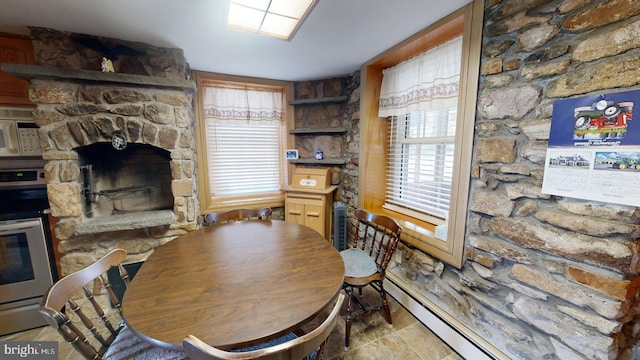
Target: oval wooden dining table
{"type": "Point", "coordinates": [233, 285]}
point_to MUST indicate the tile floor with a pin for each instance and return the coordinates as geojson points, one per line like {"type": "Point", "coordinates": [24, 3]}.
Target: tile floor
{"type": "Point", "coordinates": [372, 338]}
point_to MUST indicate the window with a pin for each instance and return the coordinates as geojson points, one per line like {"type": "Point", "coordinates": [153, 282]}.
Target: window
{"type": "Point", "coordinates": [420, 163]}
{"type": "Point", "coordinates": [241, 128]}
{"type": "Point", "coordinates": [420, 97]}
{"type": "Point", "coordinates": [427, 150]}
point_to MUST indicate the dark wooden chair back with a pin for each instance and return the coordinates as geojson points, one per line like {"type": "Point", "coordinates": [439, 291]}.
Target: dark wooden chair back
{"type": "Point", "coordinates": [65, 294]}
{"type": "Point", "coordinates": [238, 215]}
{"type": "Point", "coordinates": [377, 235]}
{"type": "Point", "coordinates": [298, 348]}
{"type": "Point", "coordinates": [86, 300]}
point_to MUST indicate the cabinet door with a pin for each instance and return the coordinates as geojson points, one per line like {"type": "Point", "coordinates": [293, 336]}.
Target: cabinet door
{"type": "Point", "coordinates": [15, 50]}
{"type": "Point", "coordinates": [314, 217]}
{"type": "Point", "coordinates": [294, 212]}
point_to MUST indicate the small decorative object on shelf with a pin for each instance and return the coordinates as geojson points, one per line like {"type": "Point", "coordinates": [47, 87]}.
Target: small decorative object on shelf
{"type": "Point", "coordinates": [292, 154]}
{"type": "Point", "coordinates": [107, 65]}
{"type": "Point", "coordinates": [319, 154]}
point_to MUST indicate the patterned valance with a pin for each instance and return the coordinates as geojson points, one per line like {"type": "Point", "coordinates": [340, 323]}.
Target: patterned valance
{"type": "Point", "coordinates": [427, 81]}
{"type": "Point", "coordinates": [224, 103]}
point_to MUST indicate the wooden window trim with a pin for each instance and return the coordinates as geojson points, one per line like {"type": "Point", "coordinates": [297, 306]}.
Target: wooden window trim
{"type": "Point", "coordinates": [207, 202]}
{"type": "Point", "coordinates": [467, 22]}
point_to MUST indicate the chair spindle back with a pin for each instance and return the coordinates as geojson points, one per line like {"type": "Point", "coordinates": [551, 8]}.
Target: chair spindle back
{"type": "Point", "coordinates": [68, 293]}
{"type": "Point", "coordinates": [238, 215]}
{"type": "Point", "coordinates": [377, 235]}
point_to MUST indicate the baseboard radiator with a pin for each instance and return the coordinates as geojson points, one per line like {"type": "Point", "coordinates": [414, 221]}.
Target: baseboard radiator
{"type": "Point", "coordinates": [465, 342]}
{"type": "Point", "coordinates": [340, 225]}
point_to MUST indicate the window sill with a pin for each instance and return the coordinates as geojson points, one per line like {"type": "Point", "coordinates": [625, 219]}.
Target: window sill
{"type": "Point", "coordinates": [416, 233]}
{"type": "Point", "coordinates": [255, 201]}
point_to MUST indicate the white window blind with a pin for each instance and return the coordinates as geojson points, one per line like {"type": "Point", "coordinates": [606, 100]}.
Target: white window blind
{"type": "Point", "coordinates": [243, 131]}
{"type": "Point", "coordinates": [420, 98]}
{"type": "Point", "coordinates": [420, 164]}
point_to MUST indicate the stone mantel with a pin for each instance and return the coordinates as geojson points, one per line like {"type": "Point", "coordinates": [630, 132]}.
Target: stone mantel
{"type": "Point", "coordinates": [28, 72]}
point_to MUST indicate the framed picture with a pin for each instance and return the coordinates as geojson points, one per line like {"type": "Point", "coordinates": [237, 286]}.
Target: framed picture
{"type": "Point", "coordinates": [292, 154]}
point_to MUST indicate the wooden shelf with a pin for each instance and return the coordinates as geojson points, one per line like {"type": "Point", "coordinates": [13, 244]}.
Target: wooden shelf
{"type": "Point", "coordinates": [29, 72]}
{"type": "Point", "coordinates": [315, 101]}
{"type": "Point", "coordinates": [310, 131]}
{"type": "Point", "coordinates": [319, 131]}
{"type": "Point", "coordinates": [319, 162]}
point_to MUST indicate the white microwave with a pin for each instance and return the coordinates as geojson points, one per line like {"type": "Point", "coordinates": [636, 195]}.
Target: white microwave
{"type": "Point", "coordinates": [18, 134]}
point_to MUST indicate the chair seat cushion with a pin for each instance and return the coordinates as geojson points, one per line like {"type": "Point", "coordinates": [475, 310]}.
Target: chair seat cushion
{"type": "Point", "coordinates": [128, 346]}
{"type": "Point", "coordinates": [358, 263]}
{"type": "Point", "coordinates": [280, 340]}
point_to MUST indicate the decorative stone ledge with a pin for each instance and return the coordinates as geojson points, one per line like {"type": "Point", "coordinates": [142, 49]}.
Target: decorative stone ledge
{"type": "Point", "coordinates": [128, 221]}
{"type": "Point", "coordinates": [28, 72]}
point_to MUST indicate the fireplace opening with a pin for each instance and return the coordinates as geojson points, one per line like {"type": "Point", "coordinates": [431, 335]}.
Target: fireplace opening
{"type": "Point", "coordinates": [135, 179]}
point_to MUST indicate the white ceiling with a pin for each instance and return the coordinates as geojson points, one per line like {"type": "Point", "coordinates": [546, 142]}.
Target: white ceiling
{"type": "Point", "coordinates": [336, 38]}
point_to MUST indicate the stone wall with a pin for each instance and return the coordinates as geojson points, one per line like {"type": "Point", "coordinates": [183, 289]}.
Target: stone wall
{"type": "Point", "coordinates": [75, 110]}
{"type": "Point", "coordinates": [73, 51]}
{"type": "Point", "coordinates": [545, 277]}
{"type": "Point", "coordinates": [332, 115]}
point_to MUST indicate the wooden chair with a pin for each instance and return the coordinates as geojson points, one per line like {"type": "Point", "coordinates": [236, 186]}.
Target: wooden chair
{"type": "Point", "coordinates": [110, 338]}
{"type": "Point", "coordinates": [375, 238]}
{"type": "Point", "coordinates": [309, 345]}
{"type": "Point", "coordinates": [238, 215]}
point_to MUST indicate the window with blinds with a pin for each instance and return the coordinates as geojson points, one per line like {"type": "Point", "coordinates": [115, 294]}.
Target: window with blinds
{"type": "Point", "coordinates": [243, 159]}
{"type": "Point", "coordinates": [244, 132]}
{"type": "Point", "coordinates": [421, 161]}
{"type": "Point", "coordinates": [427, 116]}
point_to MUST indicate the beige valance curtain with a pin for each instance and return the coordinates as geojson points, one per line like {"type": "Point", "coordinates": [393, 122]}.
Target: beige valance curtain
{"type": "Point", "coordinates": [237, 104]}
{"type": "Point", "coordinates": [244, 131]}
{"type": "Point", "coordinates": [425, 82]}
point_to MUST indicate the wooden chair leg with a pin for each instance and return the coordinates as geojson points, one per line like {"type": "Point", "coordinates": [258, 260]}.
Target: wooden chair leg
{"type": "Point", "coordinates": [385, 303]}
{"type": "Point", "coordinates": [348, 316]}
{"type": "Point", "coordinates": [387, 311]}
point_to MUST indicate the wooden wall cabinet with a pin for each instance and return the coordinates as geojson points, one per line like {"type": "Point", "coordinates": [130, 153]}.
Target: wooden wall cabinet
{"type": "Point", "coordinates": [15, 50]}
{"type": "Point", "coordinates": [309, 207]}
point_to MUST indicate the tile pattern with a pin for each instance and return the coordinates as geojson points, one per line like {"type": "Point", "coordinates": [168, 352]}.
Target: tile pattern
{"type": "Point", "coordinates": [372, 338]}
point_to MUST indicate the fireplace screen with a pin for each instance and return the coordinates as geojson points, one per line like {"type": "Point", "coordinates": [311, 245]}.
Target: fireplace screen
{"type": "Point", "coordinates": [135, 179]}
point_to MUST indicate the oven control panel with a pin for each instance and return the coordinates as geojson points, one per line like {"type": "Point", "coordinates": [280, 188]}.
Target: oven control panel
{"type": "Point", "coordinates": [22, 177]}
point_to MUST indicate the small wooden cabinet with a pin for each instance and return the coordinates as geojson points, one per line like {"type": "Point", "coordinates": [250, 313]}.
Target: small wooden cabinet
{"type": "Point", "coordinates": [16, 50]}
{"type": "Point", "coordinates": [310, 207]}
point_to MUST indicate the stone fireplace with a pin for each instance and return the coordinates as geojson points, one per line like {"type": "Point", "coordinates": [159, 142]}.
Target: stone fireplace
{"type": "Point", "coordinates": [133, 179]}
{"type": "Point", "coordinates": [119, 148]}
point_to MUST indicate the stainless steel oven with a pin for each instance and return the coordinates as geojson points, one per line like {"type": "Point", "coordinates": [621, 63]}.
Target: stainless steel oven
{"type": "Point", "coordinates": [26, 270]}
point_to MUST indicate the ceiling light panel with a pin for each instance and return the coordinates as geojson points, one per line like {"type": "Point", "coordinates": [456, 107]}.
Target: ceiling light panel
{"type": "Point", "coordinates": [277, 25]}
{"type": "Point", "coordinates": [244, 17]}
{"type": "Point", "coordinates": [279, 18]}
{"type": "Point", "coordinates": [255, 4]}
{"type": "Point", "coordinates": [293, 9]}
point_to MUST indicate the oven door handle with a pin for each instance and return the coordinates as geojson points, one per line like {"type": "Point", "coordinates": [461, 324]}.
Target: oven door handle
{"type": "Point", "coordinates": [20, 225]}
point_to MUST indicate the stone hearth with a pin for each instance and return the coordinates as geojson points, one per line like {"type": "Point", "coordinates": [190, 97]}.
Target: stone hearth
{"type": "Point", "coordinates": [78, 111]}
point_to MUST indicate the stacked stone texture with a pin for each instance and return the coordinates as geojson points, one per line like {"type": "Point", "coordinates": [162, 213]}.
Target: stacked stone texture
{"type": "Point", "coordinates": [545, 277]}
{"type": "Point", "coordinates": [74, 51]}
{"type": "Point", "coordinates": [332, 115]}
{"type": "Point", "coordinates": [72, 113]}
